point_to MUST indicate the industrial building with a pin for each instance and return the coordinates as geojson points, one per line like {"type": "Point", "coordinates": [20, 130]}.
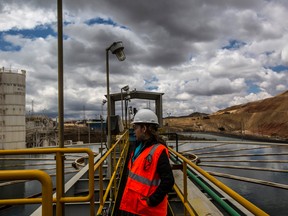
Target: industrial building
{"type": "Point", "coordinates": [12, 108]}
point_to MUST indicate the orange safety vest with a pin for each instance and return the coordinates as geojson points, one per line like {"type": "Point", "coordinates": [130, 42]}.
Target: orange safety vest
{"type": "Point", "coordinates": [142, 181]}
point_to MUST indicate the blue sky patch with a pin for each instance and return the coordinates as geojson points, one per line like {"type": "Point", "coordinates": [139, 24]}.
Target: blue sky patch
{"type": "Point", "coordinates": [99, 20]}
{"type": "Point", "coordinates": [7, 46]}
{"type": "Point", "coordinates": [41, 31]}
{"type": "Point", "coordinates": [151, 88]}
{"type": "Point", "coordinates": [252, 87]}
{"type": "Point", "coordinates": [153, 79]}
{"type": "Point", "coordinates": [149, 84]}
{"type": "Point", "coordinates": [279, 68]}
{"type": "Point", "coordinates": [234, 44]}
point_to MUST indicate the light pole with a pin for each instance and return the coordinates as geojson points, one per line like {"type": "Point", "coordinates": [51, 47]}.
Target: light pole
{"type": "Point", "coordinates": [60, 209]}
{"type": "Point", "coordinates": [125, 88]}
{"type": "Point", "coordinates": [117, 49]}
{"type": "Point", "coordinates": [127, 99]}
{"type": "Point", "coordinates": [102, 129]}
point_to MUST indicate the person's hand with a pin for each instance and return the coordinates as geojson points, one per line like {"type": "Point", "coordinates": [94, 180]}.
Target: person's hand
{"type": "Point", "coordinates": [147, 200]}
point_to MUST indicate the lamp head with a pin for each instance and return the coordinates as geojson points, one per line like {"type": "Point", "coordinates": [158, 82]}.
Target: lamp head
{"type": "Point", "coordinates": [117, 49]}
{"type": "Point", "coordinates": [126, 88]}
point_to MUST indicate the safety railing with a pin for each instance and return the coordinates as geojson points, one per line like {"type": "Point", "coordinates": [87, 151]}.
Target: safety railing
{"type": "Point", "coordinates": [60, 198]}
{"type": "Point", "coordinates": [121, 146]}
{"type": "Point", "coordinates": [39, 175]}
{"type": "Point", "coordinates": [183, 196]}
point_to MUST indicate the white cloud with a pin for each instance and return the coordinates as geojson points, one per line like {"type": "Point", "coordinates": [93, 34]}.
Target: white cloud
{"type": "Point", "coordinates": [280, 88]}
{"type": "Point", "coordinates": [177, 51]}
{"type": "Point", "coordinates": [248, 98]}
{"type": "Point", "coordinates": [23, 16]}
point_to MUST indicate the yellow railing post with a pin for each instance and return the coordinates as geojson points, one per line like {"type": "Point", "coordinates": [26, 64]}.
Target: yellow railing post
{"type": "Point", "coordinates": [101, 185]}
{"type": "Point", "coordinates": [47, 188]}
{"type": "Point", "coordinates": [185, 186]}
{"type": "Point", "coordinates": [59, 183]}
{"type": "Point", "coordinates": [187, 206]}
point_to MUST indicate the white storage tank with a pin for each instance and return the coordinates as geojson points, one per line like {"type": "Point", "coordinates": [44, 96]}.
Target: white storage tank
{"type": "Point", "coordinates": [12, 108]}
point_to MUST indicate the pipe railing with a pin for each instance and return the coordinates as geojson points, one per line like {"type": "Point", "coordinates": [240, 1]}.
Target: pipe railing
{"type": "Point", "coordinates": [39, 175]}
{"type": "Point", "coordinates": [244, 202]}
{"type": "Point", "coordinates": [59, 199]}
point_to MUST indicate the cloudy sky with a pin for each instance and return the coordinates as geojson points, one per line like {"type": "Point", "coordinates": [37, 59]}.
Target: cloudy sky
{"type": "Point", "coordinates": [203, 55]}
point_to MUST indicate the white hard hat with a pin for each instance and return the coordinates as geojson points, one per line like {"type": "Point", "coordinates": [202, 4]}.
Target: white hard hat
{"type": "Point", "coordinates": [145, 116]}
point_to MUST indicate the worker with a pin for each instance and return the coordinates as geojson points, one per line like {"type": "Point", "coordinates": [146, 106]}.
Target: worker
{"type": "Point", "coordinates": [150, 176]}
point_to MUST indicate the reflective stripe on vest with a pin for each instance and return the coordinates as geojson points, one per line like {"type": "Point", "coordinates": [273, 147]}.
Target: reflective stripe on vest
{"type": "Point", "coordinates": [143, 180]}
{"type": "Point", "coordinates": [153, 149]}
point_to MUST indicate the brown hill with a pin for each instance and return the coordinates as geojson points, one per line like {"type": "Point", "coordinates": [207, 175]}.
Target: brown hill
{"type": "Point", "coordinates": [264, 118]}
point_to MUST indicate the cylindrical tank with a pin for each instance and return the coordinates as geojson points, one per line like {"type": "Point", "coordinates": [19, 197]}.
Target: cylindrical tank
{"type": "Point", "coordinates": [12, 108]}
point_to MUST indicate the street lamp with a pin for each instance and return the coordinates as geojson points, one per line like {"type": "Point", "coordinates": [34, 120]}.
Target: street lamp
{"type": "Point", "coordinates": [117, 49]}
{"type": "Point", "coordinates": [125, 88]}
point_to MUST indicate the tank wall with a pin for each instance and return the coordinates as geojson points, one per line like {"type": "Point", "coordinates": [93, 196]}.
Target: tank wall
{"type": "Point", "coordinates": [12, 109]}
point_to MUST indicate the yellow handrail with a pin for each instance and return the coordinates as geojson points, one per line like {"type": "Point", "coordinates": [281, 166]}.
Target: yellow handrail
{"type": "Point", "coordinates": [59, 153]}
{"type": "Point", "coordinates": [125, 139]}
{"type": "Point", "coordinates": [248, 205]}
{"type": "Point", "coordinates": [182, 198]}
{"type": "Point", "coordinates": [47, 188]}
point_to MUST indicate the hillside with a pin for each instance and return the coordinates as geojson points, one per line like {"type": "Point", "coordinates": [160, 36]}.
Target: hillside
{"type": "Point", "coordinates": [264, 118]}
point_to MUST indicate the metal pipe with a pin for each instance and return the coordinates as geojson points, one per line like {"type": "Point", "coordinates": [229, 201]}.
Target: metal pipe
{"type": "Point", "coordinates": [122, 104]}
{"type": "Point", "coordinates": [60, 207]}
{"type": "Point", "coordinates": [108, 100]}
{"type": "Point", "coordinates": [109, 137]}
{"type": "Point", "coordinates": [60, 75]}
{"type": "Point", "coordinates": [117, 49]}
